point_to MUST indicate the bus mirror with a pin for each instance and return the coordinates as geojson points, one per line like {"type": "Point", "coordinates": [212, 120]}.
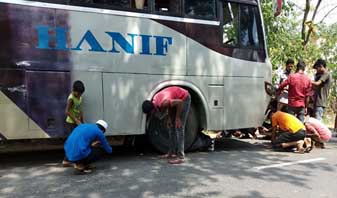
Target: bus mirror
{"type": "Point", "coordinates": [269, 88]}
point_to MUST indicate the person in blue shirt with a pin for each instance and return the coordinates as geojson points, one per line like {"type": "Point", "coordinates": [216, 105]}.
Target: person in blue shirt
{"type": "Point", "coordinates": [81, 147]}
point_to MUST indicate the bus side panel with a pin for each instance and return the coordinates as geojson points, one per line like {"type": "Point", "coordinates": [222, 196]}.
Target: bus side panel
{"type": "Point", "coordinates": [243, 93]}
{"type": "Point", "coordinates": [38, 101]}
{"type": "Point", "coordinates": [123, 97]}
{"type": "Point", "coordinates": [144, 55]}
{"type": "Point", "coordinates": [245, 102]}
{"type": "Point", "coordinates": [47, 94]}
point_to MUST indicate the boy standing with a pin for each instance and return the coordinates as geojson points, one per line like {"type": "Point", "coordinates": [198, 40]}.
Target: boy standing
{"type": "Point", "coordinates": [74, 111]}
{"type": "Point", "coordinates": [74, 107]}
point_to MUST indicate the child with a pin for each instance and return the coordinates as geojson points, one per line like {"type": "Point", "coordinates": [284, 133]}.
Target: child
{"type": "Point", "coordinates": [73, 109]}
{"type": "Point", "coordinates": [74, 112]}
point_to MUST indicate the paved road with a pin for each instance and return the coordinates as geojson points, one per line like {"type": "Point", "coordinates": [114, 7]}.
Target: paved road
{"type": "Point", "coordinates": [236, 169]}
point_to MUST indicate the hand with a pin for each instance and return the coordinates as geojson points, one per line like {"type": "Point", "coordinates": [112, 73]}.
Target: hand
{"type": "Point", "coordinates": [218, 135]}
{"type": "Point", "coordinates": [178, 123]}
{"type": "Point", "coordinates": [95, 143]}
{"type": "Point", "coordinates": [78, 122]}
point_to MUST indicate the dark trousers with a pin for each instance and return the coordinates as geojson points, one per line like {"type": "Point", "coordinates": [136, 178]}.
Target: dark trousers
{"type": "Point", "coordinates": [177, 135]}
{"type": "Point", "coordinates": [94, 155]}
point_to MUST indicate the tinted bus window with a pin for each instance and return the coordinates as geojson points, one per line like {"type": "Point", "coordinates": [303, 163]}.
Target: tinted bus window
{"type": "Point", "coordinates": [113, 4]}
{"type": "Point", "coordinates": [168, 7]}
{"type": "Point", "coordinates": [241, 26]}
{"type": "Point", "coordinates": [200, 8]}
{"type": "Point", "coordinates": [230, 24]}
{"type": "Point", "coordinates": [248, 27]}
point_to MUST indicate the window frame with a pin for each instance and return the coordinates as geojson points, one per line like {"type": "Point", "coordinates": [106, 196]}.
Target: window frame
{"type": "Point", "coordinates": [215, 10]}
{"type": "Point", "coordinates": [150, 10]}
{"type": "Point", "coordinates": [259, 28]}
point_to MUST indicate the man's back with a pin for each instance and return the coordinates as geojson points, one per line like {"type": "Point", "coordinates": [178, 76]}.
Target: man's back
{"type": "Point", "coordinates": [78, 144]}
{"type": "Point", "coordinates": [299, 89]}
{"type": "Point", "coordinates": [323, 131]}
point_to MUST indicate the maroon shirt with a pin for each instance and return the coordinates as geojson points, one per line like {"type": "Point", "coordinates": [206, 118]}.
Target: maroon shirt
{"type": "Point", "coordinates": [169, 93]}
{"type": "Point", "coordinates": [299, 89]}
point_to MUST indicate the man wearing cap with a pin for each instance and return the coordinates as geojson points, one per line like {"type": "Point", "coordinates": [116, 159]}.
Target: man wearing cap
{"type": "Point", "coordinates": [81, 146]}
{"type": "Point", "coordinates": [321, 86]}
{"type": "Point", "coordinates": [175, 102]}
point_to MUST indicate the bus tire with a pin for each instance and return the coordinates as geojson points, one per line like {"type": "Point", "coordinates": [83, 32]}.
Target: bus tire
{"type": "Point", "coordinates": [158, 136]}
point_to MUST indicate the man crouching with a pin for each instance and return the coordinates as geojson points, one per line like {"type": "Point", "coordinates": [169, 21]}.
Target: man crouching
{"type": "Point", "coordinates": [81, 146]}
{"type": "Point", "coordinates": [291, 131]}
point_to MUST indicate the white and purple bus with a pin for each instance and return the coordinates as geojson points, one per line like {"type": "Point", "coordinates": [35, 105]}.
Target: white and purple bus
{"type": "Point", "coordinates": [125, 51]}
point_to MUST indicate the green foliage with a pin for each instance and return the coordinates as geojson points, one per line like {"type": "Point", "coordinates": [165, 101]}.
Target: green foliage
{"type": "Point", "coordinates": [284, 40]}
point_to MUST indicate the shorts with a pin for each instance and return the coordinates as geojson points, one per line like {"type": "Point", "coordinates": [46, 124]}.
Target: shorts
{"type": "Point", "coordinates": [286, 137]}
{"type": "Point", "coordinates": [69, 128]}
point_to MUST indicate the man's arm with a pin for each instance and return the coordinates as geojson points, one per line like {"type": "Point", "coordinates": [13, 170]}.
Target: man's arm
{"type": "Point", "coordinates": [312, 129]}
{"type": "Point", "coordinates": [104, 142]}
{"type": "Point", "coordinates": [321, 80]}
{"type": "Point", "coordinates": [283, 84]}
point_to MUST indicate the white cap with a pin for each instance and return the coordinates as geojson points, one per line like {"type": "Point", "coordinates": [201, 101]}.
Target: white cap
{"type": "Point", "coordinates": [103, 124]}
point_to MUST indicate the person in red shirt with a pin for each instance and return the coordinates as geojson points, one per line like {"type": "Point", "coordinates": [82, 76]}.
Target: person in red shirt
{"type": "Point", "coordinates": [175, 102]}
{"type": "Point", "coordinates": [300, 89]}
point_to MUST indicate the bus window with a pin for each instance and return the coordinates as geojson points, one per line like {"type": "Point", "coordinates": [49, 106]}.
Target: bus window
{"type": "Point", "coordinates": [230, 24]}
{"type": "Point", "coordinates": [113, 4]}
{"type": "Point", "coordinates": [200, 8]}
{"type": "Point", "coordinates": [248, 26]}
{"type": "Point", "coordinates": [168, 7]}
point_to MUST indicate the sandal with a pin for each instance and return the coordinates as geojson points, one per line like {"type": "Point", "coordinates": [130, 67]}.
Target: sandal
{"type": "Point", "coordinates": [176, 161]}
{"type": "Point", "coordinates": [308, 149]}
{"type": "Point", "coordinates": [66, 163]}
{"type": "Point", "coordinates": [300, 151]}
{"type": "Point", "coordinates": [167, 156]}
{"type": "Point", "coordinates": [79, 167]}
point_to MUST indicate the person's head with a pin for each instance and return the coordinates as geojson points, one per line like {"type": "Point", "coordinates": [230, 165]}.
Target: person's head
{"type": "Point", "coordinates": [147, 106]}
{"type": "Point", "coordinates": [78, 88]}
{"type": "Point", "coordinates": [102, 125]}
{"type": "Point", "coordinates": [320, 66]}
{"type": "Point", "coordinates": [300, 65]}
{"type": "Point", "coordinates": [289, 64]}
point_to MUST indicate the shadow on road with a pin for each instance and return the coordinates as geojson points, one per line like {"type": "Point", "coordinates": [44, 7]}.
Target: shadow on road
{"type": "Point", "coordinates": [130, 173]}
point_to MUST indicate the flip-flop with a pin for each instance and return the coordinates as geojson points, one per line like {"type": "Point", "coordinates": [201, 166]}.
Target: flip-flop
{"type": "Point", "coordinates": [308, 149]}
{"type": "Point", "coordinates": [301, 151]}
{"type": "Point", "coordinates": [167, 156]}
{"type": "Point", "coordinates": [176, 161]}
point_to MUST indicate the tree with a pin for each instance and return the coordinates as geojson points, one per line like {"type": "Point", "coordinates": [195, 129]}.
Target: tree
{"type": "Point", "coordinates": [292, 36]}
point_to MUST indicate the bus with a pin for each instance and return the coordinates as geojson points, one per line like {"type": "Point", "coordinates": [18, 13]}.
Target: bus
{"type": "Point", "coordinates": [125, 51]}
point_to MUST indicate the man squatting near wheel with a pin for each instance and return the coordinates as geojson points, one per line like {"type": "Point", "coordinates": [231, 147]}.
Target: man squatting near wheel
{"type": "Point", "coordinates": [85, 143]}
{"type": "Point", "coordinates": [174, 102]}
{"type": "Point", "coordinates": [287, 131]}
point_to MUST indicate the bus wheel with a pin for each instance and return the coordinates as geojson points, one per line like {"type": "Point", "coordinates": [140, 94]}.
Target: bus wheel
{"type": "Point", "coordinates": [157, 132]}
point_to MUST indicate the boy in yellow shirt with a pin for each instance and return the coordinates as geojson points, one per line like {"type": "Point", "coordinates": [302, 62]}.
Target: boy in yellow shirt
{"type": "Point", "coordinates": [74, 107]}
